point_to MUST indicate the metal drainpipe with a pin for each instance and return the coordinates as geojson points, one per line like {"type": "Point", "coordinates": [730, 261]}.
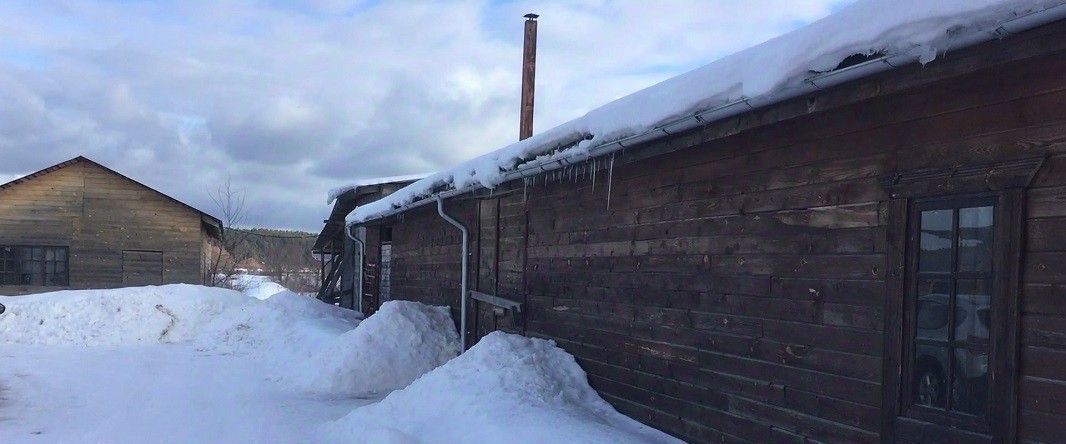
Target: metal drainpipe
{"type": "Point", "coordinates": [362, 257]}
{"type": "Point", "coordinates": [463, 298]}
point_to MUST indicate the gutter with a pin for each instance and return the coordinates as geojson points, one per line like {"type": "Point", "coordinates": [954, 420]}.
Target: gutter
{"type": "Point", "coordinates": [462, 283]}
{"type": "Point", "coordinates": [708, 116]}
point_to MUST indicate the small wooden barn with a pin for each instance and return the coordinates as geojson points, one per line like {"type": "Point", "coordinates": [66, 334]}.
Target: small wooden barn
{"type": "Point", "coordinates": [337, 253]}
{"type": "Point", "coordinates": [79, 224]}
{"type": "Point", "coordinates": [875, 259]}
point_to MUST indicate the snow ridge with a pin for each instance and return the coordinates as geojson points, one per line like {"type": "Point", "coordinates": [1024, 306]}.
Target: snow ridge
{"type": "Point", "coordinates": [507, 388]}
{"type": "Point", "coordinates": [867, 27]}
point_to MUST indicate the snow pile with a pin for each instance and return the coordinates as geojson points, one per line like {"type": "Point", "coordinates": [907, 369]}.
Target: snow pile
{"type": "Point", "coordinates": [295, 338]}
{"type": "Point", "coordinates": [257, 286]}
{"type": "Point", "coordinates": [169, 313]}
{"type": "Point", "coordinates": [762, 74]}
{"type": "Point", "coordinates": [336, 192]}
{"type": "Point", "coordinates": [387, 351]}
{"type": "Point", "coordinates": [507, 388]}
{"type": "Point", "coordinates": [282, 329]}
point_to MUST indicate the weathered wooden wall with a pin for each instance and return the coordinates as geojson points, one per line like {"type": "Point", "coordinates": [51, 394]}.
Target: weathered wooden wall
{"type": "Point", "coordinates": [98, 215]}
{"type": "Point", "coordinates": [426, 255]}
{"type": "Point", "coordinates": [734, 290]}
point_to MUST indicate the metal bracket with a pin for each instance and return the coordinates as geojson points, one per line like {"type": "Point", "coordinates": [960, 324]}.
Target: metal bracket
{"type": "Point", "coordinates": [500, 307]}
{"type": "Point", "coordinates": [496, 301]}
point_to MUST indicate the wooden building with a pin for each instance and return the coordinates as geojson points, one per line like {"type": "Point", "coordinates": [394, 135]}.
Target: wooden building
{"type": "Point", "coordinates": [883, 260]}
{"type": "Point", "coordinates": [337, 252]}
{"type": "Point", "coordinates": [79, 224]}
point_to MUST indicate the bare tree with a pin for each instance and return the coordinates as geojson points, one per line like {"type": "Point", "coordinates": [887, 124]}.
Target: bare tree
{"type": "Point", "coordinates": [224, 255]}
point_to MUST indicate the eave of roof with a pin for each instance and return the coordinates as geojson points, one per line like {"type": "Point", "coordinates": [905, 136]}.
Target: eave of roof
{"type": "Point", "coordinates": [553, 152]}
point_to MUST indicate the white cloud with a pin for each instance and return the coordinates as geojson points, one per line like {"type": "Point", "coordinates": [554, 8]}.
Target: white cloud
{"type": "Point", "coordinates": [289, 100]}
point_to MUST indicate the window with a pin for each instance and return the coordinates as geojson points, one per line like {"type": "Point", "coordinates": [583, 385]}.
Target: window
{"type": "Point", "coordinates": [953, 305]}
{"type": "Point", "coordinates": [33, 265]}
{"type": "Point", "coordinates": [9, 272]}
{"type": "Point", "coordinates": [951, 302]}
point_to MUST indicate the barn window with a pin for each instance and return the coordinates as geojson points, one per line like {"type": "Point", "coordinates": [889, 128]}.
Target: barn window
{"type": "Point", "coordinates": [33, 265]}
{"type": "Point", "coordinates": [950, 304]}
{"type": "Point", "coordinates": [958, 299]}
{"type": "Point", "coordinates": [955, 239]}
{"type": "Point", "coordinates": [9, 273]}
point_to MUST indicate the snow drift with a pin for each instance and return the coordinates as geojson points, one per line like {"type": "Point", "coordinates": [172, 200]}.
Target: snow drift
{"type": "Point", "coordinates": [297, 339]}
{"type": "Point", "coordinates": [124, 316]}
{"type": "Point", "coordinates": [387, 351]}
{"type": "Point", "coordinates": [507, 388]}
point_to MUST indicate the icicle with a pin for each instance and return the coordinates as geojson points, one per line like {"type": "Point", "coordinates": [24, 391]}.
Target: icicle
{"type": "Point", "coordinates": [525, 189]}
{"type": "Point", "coordinates": [593, 176]}
{"type": "Point", "coordinates": [610, 180]}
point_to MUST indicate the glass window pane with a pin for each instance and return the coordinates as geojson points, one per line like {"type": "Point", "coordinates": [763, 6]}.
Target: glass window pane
{"type": "Point", "coordinates": [50, 254]}
{"type": "Point", "coordinates": [975, 239]}
{"type": "Point", "coordinates": [971, 390]}
{"type": "Point", "coordinates": [61, 254]}
{"type": "Point", "coordinates": [930, 376]}
{"type": "Point", "coordinates": [933, 309]}
{"type": "Point", "coordinates": [936, 239]}
{"type": "Point", "coordinates": [972, 310]}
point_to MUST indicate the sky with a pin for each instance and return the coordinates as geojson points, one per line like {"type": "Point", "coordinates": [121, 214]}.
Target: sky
{"type": "Point", "coordinates": [285, 100]}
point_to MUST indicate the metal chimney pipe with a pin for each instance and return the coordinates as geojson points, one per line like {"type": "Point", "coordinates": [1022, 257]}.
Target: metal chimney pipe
{"type": "Point", "coordinates": [529, 69]}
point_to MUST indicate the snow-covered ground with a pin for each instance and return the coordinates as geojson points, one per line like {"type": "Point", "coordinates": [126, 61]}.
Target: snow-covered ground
{"type": "Point", "coordinates": [190, 364]}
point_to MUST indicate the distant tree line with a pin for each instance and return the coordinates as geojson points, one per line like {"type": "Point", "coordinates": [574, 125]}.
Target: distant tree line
{"type": "Point", "coordinates": [284, 255]}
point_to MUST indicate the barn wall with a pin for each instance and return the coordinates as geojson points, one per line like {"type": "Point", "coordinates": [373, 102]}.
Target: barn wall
{"type": "Point", "coordinates": [426, 255]}
{"type": "Point", "coordinates": [98, 214]}
{"type": "Point", "coordinates": [735, 291]}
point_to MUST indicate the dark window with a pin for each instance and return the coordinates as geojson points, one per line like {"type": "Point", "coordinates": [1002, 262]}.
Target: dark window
{"type": "Point", "coordinates": [33, 265]}
{"type": "Point", "coordinates": [955, 308]}
{"type": "Point", "coordinates": [9, 272]}
{"type": "Point", "coordinates": [952, 304]}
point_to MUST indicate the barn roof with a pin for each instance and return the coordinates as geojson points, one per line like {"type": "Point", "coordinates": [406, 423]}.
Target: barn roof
{"type": "Point", "coordinates": [862, 39]}
{"type": "Point", "coordinates": [346, 199]}
{"type": "Point", "coordinates": [211, 221]}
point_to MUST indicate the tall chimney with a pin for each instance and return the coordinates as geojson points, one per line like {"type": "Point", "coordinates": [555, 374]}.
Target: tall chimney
{"type": "Point", "coordinates": [529, 69]}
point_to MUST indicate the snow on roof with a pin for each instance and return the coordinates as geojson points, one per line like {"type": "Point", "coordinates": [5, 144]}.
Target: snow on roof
{"type": "Point", "coordinates": [336, 192]}
{"type": "Point", "coordinates": [917, 28]}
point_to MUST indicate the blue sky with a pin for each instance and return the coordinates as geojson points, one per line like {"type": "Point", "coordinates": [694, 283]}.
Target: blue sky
{"type": "Point", "coordinates": [289, 99]}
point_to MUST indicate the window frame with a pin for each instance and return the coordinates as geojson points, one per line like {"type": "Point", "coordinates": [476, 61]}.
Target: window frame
{"type": "Point", "coordinates": [41, 265]}
{"type": "Point", "coordinates": [1000, 423]}
{"type": "Point", "coordinates": [973, 423]}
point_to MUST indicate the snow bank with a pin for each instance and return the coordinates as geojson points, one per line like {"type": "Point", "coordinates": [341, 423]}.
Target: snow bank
{"type": "Point", "coordinates": [296, 339]}
{"type": "Point", "coordinates": [257, 286]}
{"type": "Point", "coordinates": [168, 313]}
{"type": "Point", "coordinates": [507, 388]}
{"type": "Point", "coordinates": [387, 351]}
{"type": "Point", "coordinates": [917, 27]}
{"type": "Point", "coordinates": [282, 329]}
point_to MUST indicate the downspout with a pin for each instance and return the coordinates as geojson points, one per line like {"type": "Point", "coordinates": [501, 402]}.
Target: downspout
{"type": "Point", "coordinates": [462, 299]}
{"type": "Point", "coordinates": [362, 256]}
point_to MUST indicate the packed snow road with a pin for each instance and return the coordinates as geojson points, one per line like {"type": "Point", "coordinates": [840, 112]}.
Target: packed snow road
{"type": "Point", "coordinates": [152, 394]}
{"type": "Point", "coordinates": [190, 364]}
